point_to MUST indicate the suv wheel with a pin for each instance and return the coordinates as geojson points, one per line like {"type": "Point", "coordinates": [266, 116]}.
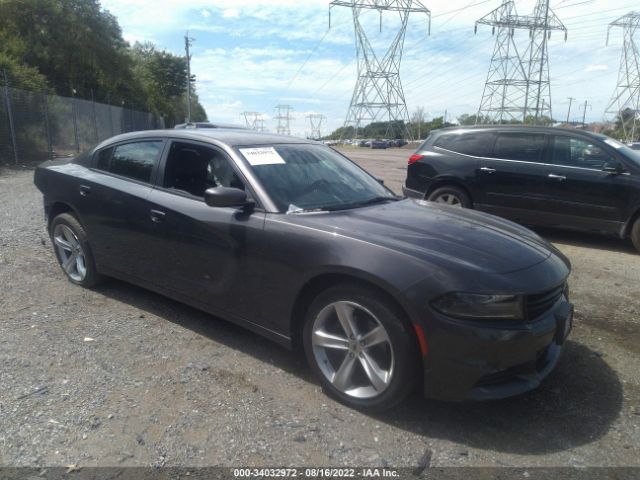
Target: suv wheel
{"type": "Point", "coordinates": [360, 348]}
{"type": "Point", "coordinates": [453, 196]}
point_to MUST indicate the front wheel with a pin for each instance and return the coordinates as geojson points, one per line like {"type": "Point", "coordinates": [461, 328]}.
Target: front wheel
{"type": "Point", "coordinates": [72, 250]}
{"type": "Point", "coordinates": [635, 234]}
{"type": "Point", "coordinates": [360, 348]}
{"type": "Point", "coordinates": [454, 196]}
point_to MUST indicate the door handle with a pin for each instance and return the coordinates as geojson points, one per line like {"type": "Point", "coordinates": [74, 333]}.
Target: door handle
{"type": "Point", "coordinates": [84, 190]}
{"type": "Point", "coordinates": [487, 170]}
{"type": "Point", "coordinates": [157, 216]}
{"type": "Point", "coordinates": [557, 177]}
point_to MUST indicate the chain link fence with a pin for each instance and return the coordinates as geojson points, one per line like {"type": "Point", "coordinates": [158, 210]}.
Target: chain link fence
{"type": "Point", "coordinates": [35, 126]}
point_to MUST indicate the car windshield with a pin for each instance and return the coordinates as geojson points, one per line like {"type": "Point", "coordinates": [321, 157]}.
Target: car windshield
{"type": "Point", "coordinates": [301, 178]}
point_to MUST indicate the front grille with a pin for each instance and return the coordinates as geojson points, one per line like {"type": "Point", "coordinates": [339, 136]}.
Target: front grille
{"type": "Point", "coordinates": [542, 302]}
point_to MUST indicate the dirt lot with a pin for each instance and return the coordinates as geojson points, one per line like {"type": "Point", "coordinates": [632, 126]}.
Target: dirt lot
{"type": "Point", "coordinates": [121, 376]}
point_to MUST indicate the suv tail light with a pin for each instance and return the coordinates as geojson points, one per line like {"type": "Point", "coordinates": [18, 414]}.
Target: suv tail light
{"type": "Point", "coordinates": [414, 158]}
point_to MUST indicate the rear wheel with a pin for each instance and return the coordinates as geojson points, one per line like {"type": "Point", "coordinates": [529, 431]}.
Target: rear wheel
{"type": "Point", "coordinates": [72, 250]}
{"type": "Point", "coordinates": [454, 196]}
{"type": "Point", "coordinates": [360, 348]}
{"type": "Point", "coordinates": [635, 234]}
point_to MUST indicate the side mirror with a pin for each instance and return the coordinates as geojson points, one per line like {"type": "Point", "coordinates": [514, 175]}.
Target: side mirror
{"type": "Point", "coordinates": [613, 167]}
{"type": "Point", "coordinates": [225, 197]}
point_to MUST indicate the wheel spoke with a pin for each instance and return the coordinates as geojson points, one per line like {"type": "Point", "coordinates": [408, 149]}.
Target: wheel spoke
{"type": "Point", "coordinates": [327, 340]}
{"type": "Point", "coordinates": [342, 377]}
{"type": "Point", "coordinates": [80, 265]}
{"type": "Point", "coordinates": [374, 337]}
{"type": "Point", "coordinates": [345, 316]}
{"type": "Point", "coordinates": [60, 242]}
{"type": "Point", "coordinates": [69, 262]}
{"type": "Point", "coordinates": [450, 199]}
{"type": "Point", "coordinates": [376, 375]}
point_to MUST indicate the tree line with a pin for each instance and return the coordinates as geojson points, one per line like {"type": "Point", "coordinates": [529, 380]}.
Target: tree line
{"type": "Point", "coordinates": [76, 48]}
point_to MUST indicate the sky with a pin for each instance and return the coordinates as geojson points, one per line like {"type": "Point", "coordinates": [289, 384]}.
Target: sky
{"type": "Point", "coordinates": [251, 55]}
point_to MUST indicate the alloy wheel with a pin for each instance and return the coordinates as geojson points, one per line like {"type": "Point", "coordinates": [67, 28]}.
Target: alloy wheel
{"type": "Point", "coordinates": [449, 199]}
{"type": "Point", "coordinates": [353, 349]}
{"type": "Point", "coordinates": [70, 253]}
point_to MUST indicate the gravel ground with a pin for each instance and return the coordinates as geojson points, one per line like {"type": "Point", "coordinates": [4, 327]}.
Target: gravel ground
{"type": "Point", "coordinates": [119, 376]}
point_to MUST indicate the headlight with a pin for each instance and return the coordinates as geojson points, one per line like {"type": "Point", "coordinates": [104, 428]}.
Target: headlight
{"type": "Point", "coordinates": [472, 305]}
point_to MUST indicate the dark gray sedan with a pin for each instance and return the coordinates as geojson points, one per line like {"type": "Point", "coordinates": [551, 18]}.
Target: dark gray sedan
{"type": "Point", "coordinates": [292, 240]}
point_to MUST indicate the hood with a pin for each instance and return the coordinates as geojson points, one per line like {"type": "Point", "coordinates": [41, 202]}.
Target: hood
{"type": "Point", "coordinates": [438, 233]}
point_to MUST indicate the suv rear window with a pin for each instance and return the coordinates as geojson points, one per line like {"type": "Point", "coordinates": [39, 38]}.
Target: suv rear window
{"type": "Point", "coordinates": [526, 147]}
{"type": "Point", "coordinates": [477, 144]}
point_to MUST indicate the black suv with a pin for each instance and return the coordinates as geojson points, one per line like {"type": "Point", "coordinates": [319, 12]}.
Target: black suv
{"type": "Point", "coordinates": [533, 175]}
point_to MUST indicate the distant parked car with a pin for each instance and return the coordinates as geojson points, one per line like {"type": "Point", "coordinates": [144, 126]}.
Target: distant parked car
{"type": "Point", "coordinates": [294, 241]}
{"type": "Point", "coordinates": [209, 125]}
{"type": "Point", "coordinates": [379, 144]}
{"type": "Point", "coordinates": [400, 143]}
{"type": "Point", "coordinates": [533, 175]}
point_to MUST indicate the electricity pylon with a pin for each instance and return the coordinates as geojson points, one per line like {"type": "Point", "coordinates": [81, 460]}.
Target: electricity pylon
{"type": "Point", "coordinates": [378, 94]}
{"type": "Point", "coordinates": [316, 120]}
{"type": "Point", "coordinates": [253, 120]}
{"type": "Point", "coordinates": [518, 86]}
{"type": "Point", "coordinates": [625, 102]}
{"type": "Point", "coordinates": [284, 118]}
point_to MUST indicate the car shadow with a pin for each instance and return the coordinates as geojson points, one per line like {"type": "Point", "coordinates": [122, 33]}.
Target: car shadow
{"type": "Point", "coordinates": [586, 239]}
{"type": "Point", "coordinates": [576, 405]}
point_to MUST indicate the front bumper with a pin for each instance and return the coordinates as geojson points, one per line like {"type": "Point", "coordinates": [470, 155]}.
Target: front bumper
{"type": "Point", "coordinates": [482, 361]}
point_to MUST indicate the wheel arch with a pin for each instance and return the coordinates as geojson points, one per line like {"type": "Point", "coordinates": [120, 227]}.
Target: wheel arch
{"type": "Point", "coordinates": [57, 208]}
{"type": "Point", "coordinates": [317, 284]}
{"type": "Point", "coordinates": [449, 181]}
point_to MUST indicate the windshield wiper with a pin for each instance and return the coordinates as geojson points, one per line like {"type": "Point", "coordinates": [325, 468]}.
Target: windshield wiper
{"type": "Point", "coordinates": [294, 209]}
{"type": "Point", "coordinates": [364, 203]}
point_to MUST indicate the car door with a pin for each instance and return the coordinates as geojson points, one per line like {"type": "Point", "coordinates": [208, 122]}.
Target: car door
{"type": "Point", "coordinates": [581, 194]}
{"type": "Point", "coordinates": [512, 180]}
{"type": "Point", "coordinates": [113, 205]}
{"type": "Point", "coordinates": [209, 255]}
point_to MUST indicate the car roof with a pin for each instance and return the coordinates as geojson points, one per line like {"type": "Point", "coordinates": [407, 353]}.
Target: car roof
{"type": "Point", "coordinates": [520, 128]}
{"type": "Point", "coordinates": [231, 137]}
{"type": "Point", "coordinates": [210, 125]}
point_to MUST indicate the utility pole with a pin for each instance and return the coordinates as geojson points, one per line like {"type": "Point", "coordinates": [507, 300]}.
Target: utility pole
{"type": "Point", "coordinates": [378, 94]}
{"type": "Point", "coordinates": [187, 45]}
{"type": "Point", "coordinates": [284, 118]}
{"type": "Point", "coordinates": [584, 113]}
{"type": "Point", "coordinates": [518, 84]}
{"type": "Point", "coordinates": [571, 99]}
{"type": "Point", "coordinates": [625, 101]}
{"type": "Point", "coordinates": [316, 120]}
{"type": "Point", "coordinates": [252, 120]}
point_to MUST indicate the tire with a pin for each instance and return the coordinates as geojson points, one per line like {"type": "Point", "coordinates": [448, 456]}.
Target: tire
{"type": "Point", "coordinates": [395, 356]}
{"type": "Point", "coordinates": [69, 239]}
{"type": "Point", "coordinates": [635, 234]}
{"type": "Point", "coordinates": [450, 195]}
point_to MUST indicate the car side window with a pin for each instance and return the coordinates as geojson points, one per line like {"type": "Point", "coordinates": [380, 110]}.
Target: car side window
{"type": "Point", "coordinates": [575, 152]}
{"type": "Point", "coordinates": [132, 160]}
{"type": "Point", "coordinates": [477, 144]}
{"type": "Point", "coordinates": [526, 147]}
{"type": "Point", "coordinates": [194, 168]}
{"type": "Point", "coordinates": [104, 158]}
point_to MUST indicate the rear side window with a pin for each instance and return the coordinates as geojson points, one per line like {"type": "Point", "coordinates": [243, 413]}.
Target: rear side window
{"type": "Point", "coordinates": [104, 158]}
{"type": "Point", "coordinates": [477, 144]}
{"type": "Point", "coordinates": [526, 147]}
{"type": "Point", "coordinates": [131, 160]}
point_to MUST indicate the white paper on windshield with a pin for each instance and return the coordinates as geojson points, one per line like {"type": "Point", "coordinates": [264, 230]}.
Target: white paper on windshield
{"type": "Point", "coordinates": [262, 156]}
{"type": "Point", "coordinates": [613, 143]}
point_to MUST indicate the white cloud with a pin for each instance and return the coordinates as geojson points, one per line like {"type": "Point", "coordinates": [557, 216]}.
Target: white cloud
{"type": "Point", "coordinates": [247, 53]}
{"type": "Point", "coordinates": [230, 13]}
